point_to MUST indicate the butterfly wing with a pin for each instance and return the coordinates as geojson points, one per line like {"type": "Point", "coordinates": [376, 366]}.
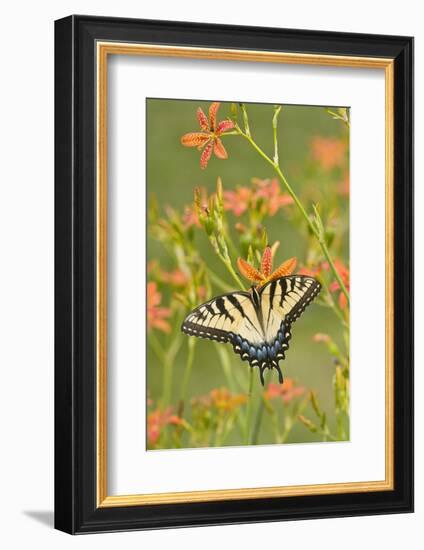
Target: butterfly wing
{"type": "Point", "coordinates": [224, 318]}
{"type": "Point", "coordinates": [282, 302]}
{"type": "Point", "coordinates": [257, 324]}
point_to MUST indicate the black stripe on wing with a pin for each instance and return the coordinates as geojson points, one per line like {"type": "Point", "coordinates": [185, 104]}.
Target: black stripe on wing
{"type": "Point", "coordinates": [310, 294]}
{"type": "Point", "coordinates": [284, 286]}
{"type": "Point", "coordinates": [192, 329]}
{"type": "Point", "coordinates": [214, 308]}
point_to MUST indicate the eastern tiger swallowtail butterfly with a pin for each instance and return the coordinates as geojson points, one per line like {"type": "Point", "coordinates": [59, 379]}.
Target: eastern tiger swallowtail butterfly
{"type": "Point", "coordinates": [258, 322]}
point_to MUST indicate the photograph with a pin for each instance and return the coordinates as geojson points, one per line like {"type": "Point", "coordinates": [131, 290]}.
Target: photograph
{"type": "Point", "coordinates": [247, 291]}
{"type": "Point", "coordinates": [223, 193]}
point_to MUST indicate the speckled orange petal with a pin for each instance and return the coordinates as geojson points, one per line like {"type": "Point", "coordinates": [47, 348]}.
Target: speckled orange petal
{"type": "Point", "coordinates": [224, 125]}
{"type": "Point", "coordinates": [286, 268]}
{"type": "Point", "coordinates": [266, 263]}
{"type": "Point", "coordinates": [194, 139]}
{"type": "Point", "coordinates": [213, 109]}
{"type": "Point", "coordinates": [203, 119]}
{"type": "Point", "coordinates": [206, 155]}
{"type": "Point", "coordinates": [249, 271]}
{"type": "Point", "coordinates": [219, 149]}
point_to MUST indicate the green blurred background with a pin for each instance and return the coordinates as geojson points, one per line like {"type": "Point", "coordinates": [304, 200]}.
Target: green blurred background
{"type": "Point", "coordinates": [173, 172]}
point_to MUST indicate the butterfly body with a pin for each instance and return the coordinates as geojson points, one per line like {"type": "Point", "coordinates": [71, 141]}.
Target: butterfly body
{"type": "Point", "coordinates": [256, 322]}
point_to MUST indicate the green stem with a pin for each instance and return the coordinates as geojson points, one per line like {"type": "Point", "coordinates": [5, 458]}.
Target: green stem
{"type": "Point", "coordinates": [327, 435]}
{"type": "Point", "coordinates": [156, 346]}
{"type": "Point", "coordinates": [187, 372]}
{"type": "Point", "coordinates": [249, 408]}
{"type": "Point", "coordinates": [332, 304]}
{"type": "Point", "coordinates": [245, 119]}
{"type": "Point", "coordinates": [231, 379]}
{"type": "Point", "coordinates": [230, 268]}
{"type": "Point", "coordinates": [169, 358]}
{"type": "Point", "coordinates": [218, 282]}
{"type": "Point", "coordinates": [274, 127]}
{"type": "Point", "coordinates": [333, 268]}
{"type": "Point", "coordinates": [338, 117]}
{"type": "Point", "coordinates": [259, 413]}
{"type": "Point", "coordinates": [230, 242]}
{"type": "Point", "coordinates": [274, 420]}
{"type": "Point", "coordinates": [300, 206]}
{"type": "Point", "coordinates": [258, 420]}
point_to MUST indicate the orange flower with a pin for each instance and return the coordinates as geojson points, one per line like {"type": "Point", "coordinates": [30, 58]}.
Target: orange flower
{"type": "Point", "coordinates": [271, 191]}
{"type": "Point", "coordinates": [201, 292]}
{"type": "Point", "coordinates": [342, 270]}
{"type": "Point", "coordinates": [209, 138]}
{"type": "Point", "coordinates": [328, 152]}
{"type": "Point", "coordinates": [156, 315]}
{"type": "Point", "coordinates": [176, 277]}
{"type": "Point", "coordinates": [191, 211]}
{"type": "Point", "coordinates": [287, 391]}
{"type": "Point", "coordinates": [265, 275]}
{"type": "Point", "coordinates": [190, 217]}
{"type": "Point", "coordinates": [157, 420]}
{"type": "Point", "coordinates": [309, 271]}
{"type": "Point", "coordinates": [321, 337]}
{"type": "Point", "coordinates": [268, 191]}
{"type": "Point", "coordinates": [238, 201]}
{"type": "Point", "coordinates": [223, 399]}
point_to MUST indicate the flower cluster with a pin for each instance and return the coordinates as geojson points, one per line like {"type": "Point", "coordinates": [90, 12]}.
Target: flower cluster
{"type": "Point", "coordinates": [214, 416]}
{"type": "Point", "coordinates": [177, 278]}
{"type": "Point", "coordinates": [156, 315]}
{"type": "Point", "coordinates": [157, 421]}
{"type": "Point", "coordinates": [264, 196]}
{"type": "Point", "coordinates": [223, 399]}
{"type": "Point", "coordinates": [286, 391]}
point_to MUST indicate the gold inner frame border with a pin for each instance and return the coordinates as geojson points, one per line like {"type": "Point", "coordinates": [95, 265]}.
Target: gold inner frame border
{"type": "Point", "coordinates": [103, 50]}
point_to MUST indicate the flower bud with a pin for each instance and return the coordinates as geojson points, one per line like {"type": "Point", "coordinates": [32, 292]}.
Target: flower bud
{"type": "Point", "coordinates": [306, 422]}
{"type": "Point", "coordinates": [314, 403]}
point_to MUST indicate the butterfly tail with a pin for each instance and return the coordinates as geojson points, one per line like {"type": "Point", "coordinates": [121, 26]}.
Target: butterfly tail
{"type": "Point", "coordinates": [270, 365]}
{"type": "Point", "coordinates": [280, 374]}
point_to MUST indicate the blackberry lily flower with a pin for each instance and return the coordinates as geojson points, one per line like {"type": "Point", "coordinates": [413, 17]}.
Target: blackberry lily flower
{"type": "Point", "coordinates": [266, 274]}
{"type": "Point", "coordinates": [209, 138]}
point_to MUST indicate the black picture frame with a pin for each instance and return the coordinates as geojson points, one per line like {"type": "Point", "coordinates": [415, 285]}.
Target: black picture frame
{"type": "Point", "coordinates": [76, 510]}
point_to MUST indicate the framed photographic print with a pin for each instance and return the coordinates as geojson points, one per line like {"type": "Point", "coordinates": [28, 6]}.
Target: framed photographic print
{"type": "Point", "coordinates": [234, 274]}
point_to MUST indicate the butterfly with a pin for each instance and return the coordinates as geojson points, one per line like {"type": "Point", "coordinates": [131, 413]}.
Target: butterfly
{"type": "Point", "coordinates": [256, 322]}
